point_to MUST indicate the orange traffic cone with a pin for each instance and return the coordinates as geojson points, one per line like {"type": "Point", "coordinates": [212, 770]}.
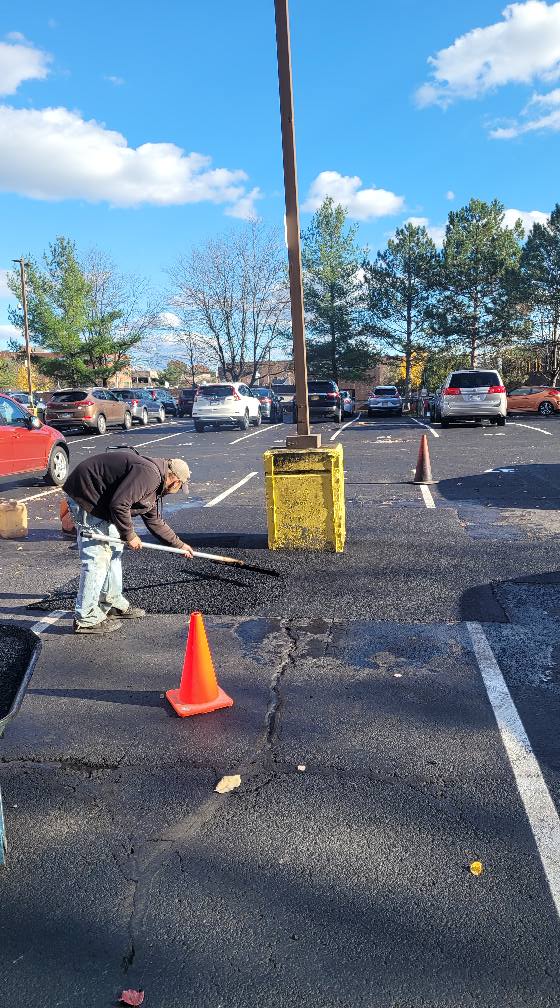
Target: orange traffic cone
{"type": "Point", "coordinates": [199, 692]}
{"type": "Point", "coordinates": [423, 472]}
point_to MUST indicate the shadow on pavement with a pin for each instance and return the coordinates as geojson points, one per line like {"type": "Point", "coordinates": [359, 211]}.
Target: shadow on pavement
{"type": "Point", "coordinates": [507, 486]}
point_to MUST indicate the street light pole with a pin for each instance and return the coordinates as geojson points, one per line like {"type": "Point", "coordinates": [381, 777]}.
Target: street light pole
{"type": "Point", "coordinates": [22, 264]}
{"type": "Point", "coordinates": [304, 438]}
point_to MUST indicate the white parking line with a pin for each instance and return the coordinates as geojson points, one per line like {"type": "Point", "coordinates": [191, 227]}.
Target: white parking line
{"type": "Point", "coordinates": [430, 429]}
{"type": "Point", "coordinates": [426, 494]}
{"type": "Point", "coordinates": [261, 430]}
{"type": "Point", "coordinates": [514, 423]}
{"type": "Point", "coordinates": [49, 620]}
{"type": "Point", "coordinates": [153, 440]}
{"type": "Point", "coordinates": [343, 428]}
{"type": "Point", "coordinates": [231, 490]}
{"type": "Point", "coordinates": [44, 493]}
{"type": "Point", "coordinates": [133, 430]}
{"type": "Point", "coordinates": [541, 811]}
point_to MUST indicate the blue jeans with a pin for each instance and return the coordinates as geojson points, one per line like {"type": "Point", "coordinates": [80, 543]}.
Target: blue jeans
{"type": "Point", "coordinates": [101, 575]}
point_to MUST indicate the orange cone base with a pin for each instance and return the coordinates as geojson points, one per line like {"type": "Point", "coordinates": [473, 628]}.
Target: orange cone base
{"type": "Point", "coordinates": [185, 709]}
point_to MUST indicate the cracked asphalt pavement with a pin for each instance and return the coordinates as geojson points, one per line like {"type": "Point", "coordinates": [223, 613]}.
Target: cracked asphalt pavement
{"type": "Point", "coordinates": [373, 771]}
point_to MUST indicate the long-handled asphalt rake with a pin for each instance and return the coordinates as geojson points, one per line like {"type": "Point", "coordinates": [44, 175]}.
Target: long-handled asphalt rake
{"type": "Point", "coordinates": [214, 557]}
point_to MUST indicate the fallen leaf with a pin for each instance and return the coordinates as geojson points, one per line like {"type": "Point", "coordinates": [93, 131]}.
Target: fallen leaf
{"type": "Point", "coordinates": [301, 767]}
{"type": "Point", "coordinates": [228, 784]}
{"type": "Point", "coordinates": [476, 868]}
{"type": "Point", "coordinates": [132, 997]}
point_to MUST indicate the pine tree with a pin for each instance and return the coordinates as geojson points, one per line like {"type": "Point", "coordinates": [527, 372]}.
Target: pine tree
{"type": "Point", "coordinates": [337, 334]}
{"type": "Point", "coordinates": [479, 308]}
{"type": "Point", "coordinates": [540, 285]}
{"type": "Point", "coordinates": [67, 317]}
{"type": "Point", "coordinates": [402, 283]}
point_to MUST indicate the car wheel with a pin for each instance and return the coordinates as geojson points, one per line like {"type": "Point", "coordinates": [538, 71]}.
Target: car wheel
{"type": "Point", "coordinates": [370, 413]}
{"type": "Point", "coordinates": [501, 421]}
{"type": "Point", "coordinates": [199, 427]}
{"type": "Point", "coordinates": [546, 409]}
{"type": "Point", "coordinates": [161, 415]}
{"type": "Point", "coordinates": [258, 419]}
{"type": "Point", "coordinates": [101, 425]}
{"type": "Point", "coordinates": [144, 418]}
{"type": "Point", "coordinates": [57, 469]}
{"type": "Point", "coordinates": [339, 417]}
{"type": "Point", "coordinates": [244, 422]}
{"type": "Point", "coordinates": [127, 422]}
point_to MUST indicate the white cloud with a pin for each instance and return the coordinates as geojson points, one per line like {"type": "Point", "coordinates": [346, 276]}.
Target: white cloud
{"type": "Point", "coordinates": [435, 231]}
{"type": "Point", "coordinates": [5, 292]}
{"type": "Point", "coordinates": [527, 217]}
{"type": "Point", "coordinates": [244, 208]}
{"type": "Point", "coordinates": [450, 195]}
{"type": "Point", "coordinates": [548, 121]}
{"type": "Point", "coordinates": [54, 154]}
{"type": "Point", "coordinates": [8, 332]}
{"type": "Point", "coordinates": [170, 319]}
{"type": "Point", "coordinates": [20, 61]}
{"type": "Point", "coordinates": [113, 79]}
{"type": "Point", "coordinates": [361, 204]}
{"type": "Point", "coordinates": [523, 46]}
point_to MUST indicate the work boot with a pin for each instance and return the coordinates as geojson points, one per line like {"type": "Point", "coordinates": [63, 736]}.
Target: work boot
{"type": "Point", "coordinates": [106, 626]}
{"type": "Point", "coordinates": [133, 612]}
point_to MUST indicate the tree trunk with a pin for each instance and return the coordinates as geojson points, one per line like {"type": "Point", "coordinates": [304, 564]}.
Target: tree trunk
{"type": "Point", "coordinates": [408, 347]}
{"type": "Point", "coordinates": [334, 361]}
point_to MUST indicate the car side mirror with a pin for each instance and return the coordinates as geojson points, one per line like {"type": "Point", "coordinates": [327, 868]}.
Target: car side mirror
{"type": "Point", "coordinates": [34, 423]}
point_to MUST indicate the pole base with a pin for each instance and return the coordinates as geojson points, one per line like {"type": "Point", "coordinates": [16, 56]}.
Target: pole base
{"type": "Point", "coordinates": [304, 441]}
{"type": "Point", "coordinates": [423, 482]}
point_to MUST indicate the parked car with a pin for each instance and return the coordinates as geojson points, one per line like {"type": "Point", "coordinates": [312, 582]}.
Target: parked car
{"type": "Point", "coordinates": [348, 404]}
{"type": "Point", "coordinates": [324, 400]}
{"type": "Point", "coordinates": [141, 404]}
{"type": "Point", "coordinates": [165, 397]}
{"type": "Point", "coordinates": [185, 401]}
{"type": "Point", "coordinates": [385, 399]}
{"type": "Point", "coordinates": [92, 408]}
{"type": "Point", "coordinates": [272, 408]}
{"type": "Point", "coordinates": [534, 399]}
{"type": "Point", "coordinates": [471, 394]}
{"type": "Point", "coordinates": [227, 403]}
{"type": "Point", "coordinates": [28, 445]}
{"type": "Point", "coordinates": [37, 401]}
{"type": "Point", "coordinates": [286, 395]}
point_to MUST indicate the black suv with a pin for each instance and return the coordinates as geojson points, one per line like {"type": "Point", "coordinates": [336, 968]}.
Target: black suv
{"type": "Point", "coordinates": [185, 401]}
{"type": "Point", "coordinates": [165, 397]}
{"type": "Point", "coordinates": [325, 402]}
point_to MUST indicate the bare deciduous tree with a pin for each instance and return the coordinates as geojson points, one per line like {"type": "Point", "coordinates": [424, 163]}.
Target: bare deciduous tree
{"type": "Point", "coordinates": [232, 292]}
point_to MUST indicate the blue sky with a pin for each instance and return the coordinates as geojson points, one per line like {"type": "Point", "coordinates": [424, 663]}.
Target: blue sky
{"type": "Point", "coordinates": [103, 106]}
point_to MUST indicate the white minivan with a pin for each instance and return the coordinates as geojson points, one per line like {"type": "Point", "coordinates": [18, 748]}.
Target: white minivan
{"type": "Point", "coordinates": [471, 394]}
{"type": "Point", "coordinates": [228, 403]}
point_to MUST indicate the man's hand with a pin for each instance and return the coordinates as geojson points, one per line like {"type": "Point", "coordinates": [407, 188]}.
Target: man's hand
{"type": "Point", "coordinates": [186, 551]}
{"type": "Point", "coordinates": [135, 543]}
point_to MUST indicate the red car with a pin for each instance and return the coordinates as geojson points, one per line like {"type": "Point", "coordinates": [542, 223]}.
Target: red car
{"type": "Point", "coordinates": [27, 445]}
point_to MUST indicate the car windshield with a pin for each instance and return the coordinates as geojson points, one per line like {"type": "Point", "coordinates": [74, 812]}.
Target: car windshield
{"type": "Point", "coordinates": [385, 390]}
{"type": "Point", "coordinates": [321, 386]}
{"type": "Point", "coordinates": [73, 396]}
{"type": "Point", "coordinates": [284, 389]}
{"type": "Point", "coordinates": [188, 393]}
{"type": "Point", "coordinates": [474, 379]}
{"type": "Point", "coordinates": [263, 392]}
{"type": "Point", "coordinates": [122, 393]}
{"type": "Point", "coordinates": [221, 391]}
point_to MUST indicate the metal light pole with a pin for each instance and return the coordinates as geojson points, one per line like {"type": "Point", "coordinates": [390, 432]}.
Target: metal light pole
{"type": "Point", "coordinates": [304, 438]}
{"type": "Point", "coordinates": [22, 264]}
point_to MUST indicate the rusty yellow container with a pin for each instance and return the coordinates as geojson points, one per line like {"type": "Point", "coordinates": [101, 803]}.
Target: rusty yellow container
{"type": "Point", "coordinates": [13, 519]}
{"type": "Point", "coordinates": [305, 498]}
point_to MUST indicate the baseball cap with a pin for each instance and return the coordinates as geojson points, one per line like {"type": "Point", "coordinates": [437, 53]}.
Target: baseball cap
{"type": "Point", "coordinates": [180, 469]}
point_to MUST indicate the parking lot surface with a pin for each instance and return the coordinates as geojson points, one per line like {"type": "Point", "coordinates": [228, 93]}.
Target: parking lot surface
{"type": "Point", "coordinates": [396, 715]}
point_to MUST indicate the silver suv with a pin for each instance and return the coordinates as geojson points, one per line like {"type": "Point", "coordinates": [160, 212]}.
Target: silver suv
{"type": "Point", "coordinates": [474, 394]}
